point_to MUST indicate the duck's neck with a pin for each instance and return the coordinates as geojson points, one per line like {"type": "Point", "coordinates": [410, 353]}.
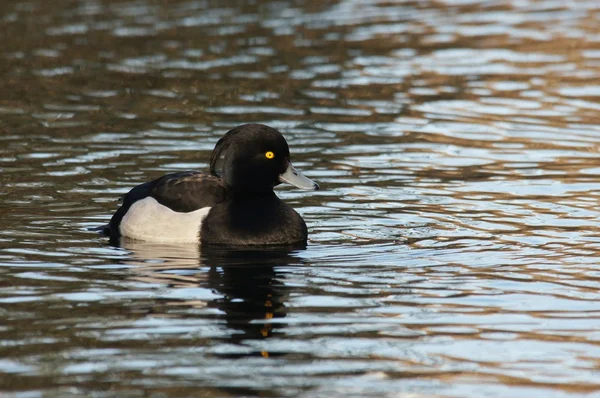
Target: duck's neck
{"type": "Point", "coordinates": [249, 195]}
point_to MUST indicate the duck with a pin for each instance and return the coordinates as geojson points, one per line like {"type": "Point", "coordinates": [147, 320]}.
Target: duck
{"type": "Point", "coordinates": [233, 205]}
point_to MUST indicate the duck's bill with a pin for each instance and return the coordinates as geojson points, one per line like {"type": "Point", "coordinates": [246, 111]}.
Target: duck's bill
{"type": "Point", "coordinates": [297, 179]}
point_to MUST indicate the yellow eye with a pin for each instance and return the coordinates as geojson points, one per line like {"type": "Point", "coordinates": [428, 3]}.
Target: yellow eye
{"type": "Point", "coordinates": [269, 155]}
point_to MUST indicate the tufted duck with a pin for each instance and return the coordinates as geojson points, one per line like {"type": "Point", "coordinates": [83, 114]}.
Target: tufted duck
{"type": "Point", "coordinates": [235, 205]}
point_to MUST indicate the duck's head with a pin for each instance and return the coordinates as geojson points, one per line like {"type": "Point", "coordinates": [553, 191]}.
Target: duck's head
{"type": "Point", "coordinates": [253, 158]}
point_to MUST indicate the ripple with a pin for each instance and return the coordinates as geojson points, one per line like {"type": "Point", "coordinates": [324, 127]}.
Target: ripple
{"type": "Point", "coordinates": [254, 109]}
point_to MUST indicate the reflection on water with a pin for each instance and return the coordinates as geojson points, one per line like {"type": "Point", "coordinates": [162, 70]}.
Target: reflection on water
{"type": "Point", "coordinates": [247, 285]}
{"type": "Point", "coordinates": [453, 247]}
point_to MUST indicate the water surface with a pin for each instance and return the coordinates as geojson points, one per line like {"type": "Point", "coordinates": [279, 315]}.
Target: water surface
{"type": "Point", "coordinates": [453, 246]}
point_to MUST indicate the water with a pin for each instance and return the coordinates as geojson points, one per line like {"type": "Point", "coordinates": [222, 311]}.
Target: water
{"type": "Point", "coordinates": [453, 246]}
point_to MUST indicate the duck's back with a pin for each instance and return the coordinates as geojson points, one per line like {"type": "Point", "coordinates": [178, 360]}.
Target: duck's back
{"type": "Point", "coordinates": [168, 209]}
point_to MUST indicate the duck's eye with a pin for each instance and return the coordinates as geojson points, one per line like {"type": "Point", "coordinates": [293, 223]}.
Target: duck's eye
{"type": "Point", "coordinates": [269, 155]}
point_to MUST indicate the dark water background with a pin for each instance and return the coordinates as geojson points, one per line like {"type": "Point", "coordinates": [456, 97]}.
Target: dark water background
{"type": "Point", "coordinates": [453, 247]}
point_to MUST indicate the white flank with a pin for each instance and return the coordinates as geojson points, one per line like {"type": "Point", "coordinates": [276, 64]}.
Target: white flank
{"type": "Point", "coordinates": [148, 220]}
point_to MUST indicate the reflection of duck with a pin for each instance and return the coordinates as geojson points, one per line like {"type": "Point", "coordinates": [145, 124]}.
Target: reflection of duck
{"type": "Point", "coordinates": [234, 205]}
{"type": "Point", "coordinates": [250, 287]}
{"type": "Point", "coordinates": [174, 264]}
